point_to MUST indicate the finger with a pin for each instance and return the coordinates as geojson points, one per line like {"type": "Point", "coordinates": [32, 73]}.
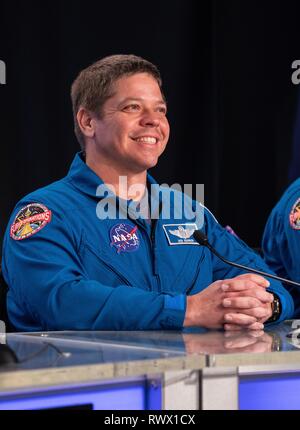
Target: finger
{"type": "Point", "coordinates": [257, 292]}
{"type": "Point", "coordinates": [258, 347]}
{"type": "Point", "coordinates": [255, 329]}
{"type": "Point", "coordinates": [241, 302]}
{"type": "Point", "coordinates": [237, 284]}
{"type": "Point", "coordinates": [232, 328]}
{"type": "Point", "coordinates": [263, 295]}
{"type": "Point", "coordinates": [235, 332]}
{"type": "Point", "coordinates": [240, 319]}
{"type": "Point", "coordinates": [240, 342]}
{"type": "Point", "coordinates": [260, 313]}
{"type": "Point", "coordinates": [258, 279]}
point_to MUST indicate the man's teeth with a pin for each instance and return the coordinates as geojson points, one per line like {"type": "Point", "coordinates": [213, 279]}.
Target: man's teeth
{"type": "Point", "coordinates": [146, 139]}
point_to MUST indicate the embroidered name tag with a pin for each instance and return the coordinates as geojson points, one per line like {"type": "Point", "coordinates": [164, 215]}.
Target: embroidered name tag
{"type": "Point", "coordinates": [180, 234]}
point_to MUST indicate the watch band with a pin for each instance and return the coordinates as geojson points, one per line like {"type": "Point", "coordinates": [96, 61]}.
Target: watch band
{"type": "Point", "coordinates": [276, 309]}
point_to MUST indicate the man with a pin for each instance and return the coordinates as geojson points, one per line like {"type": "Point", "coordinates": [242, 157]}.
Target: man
{"type": "Point", "coordinates": [69, 267]}
{"type": "Point", "coordinates": [281, 240]}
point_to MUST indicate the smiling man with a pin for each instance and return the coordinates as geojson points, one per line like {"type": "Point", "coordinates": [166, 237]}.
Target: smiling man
{"type": "Point", "coordinates": [68, 268]}
{"type": "Point", "coordinates": [130, 133]}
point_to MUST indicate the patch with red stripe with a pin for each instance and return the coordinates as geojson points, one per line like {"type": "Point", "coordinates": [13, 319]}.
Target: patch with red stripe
{"type": "Point", "coordinates": [29, 220]}
{"type": "Point", "coordinates": [295, 215]}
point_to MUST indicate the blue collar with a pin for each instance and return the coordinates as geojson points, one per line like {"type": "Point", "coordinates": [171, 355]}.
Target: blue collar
{"type": "Point", "coordinates": [85, 179]}
{"type": "Point", "coordinates": [82, 177]}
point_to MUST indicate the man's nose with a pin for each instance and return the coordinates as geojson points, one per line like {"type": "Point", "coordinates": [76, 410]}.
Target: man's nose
{"type": "Point", "coordinates": [149, 119]}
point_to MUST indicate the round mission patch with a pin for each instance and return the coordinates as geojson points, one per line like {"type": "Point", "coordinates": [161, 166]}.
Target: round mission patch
{"type": "Point", "coordinates": [29, 220]}
{"type": "Point", "coordinates": [124, 237]}
{"type": "Point", "coordinates": [295, 215]}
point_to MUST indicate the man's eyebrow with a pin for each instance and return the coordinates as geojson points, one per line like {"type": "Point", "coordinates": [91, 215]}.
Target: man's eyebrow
{"type": "Point", "coordinates": [140, 99]}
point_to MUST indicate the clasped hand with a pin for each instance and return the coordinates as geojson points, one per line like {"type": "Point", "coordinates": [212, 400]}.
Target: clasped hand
{"type": "Point", "coordinates": [235, 304]}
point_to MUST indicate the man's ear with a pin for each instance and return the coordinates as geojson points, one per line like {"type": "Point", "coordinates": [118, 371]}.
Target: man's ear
{"type": "Point", "coordinates": [85, 122]}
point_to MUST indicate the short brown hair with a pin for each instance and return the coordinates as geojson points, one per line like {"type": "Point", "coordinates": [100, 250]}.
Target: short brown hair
{"type": "Point", "coordinates": [93, 85]}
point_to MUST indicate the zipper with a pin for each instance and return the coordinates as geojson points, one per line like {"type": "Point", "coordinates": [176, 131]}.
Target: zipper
{"type": "Point", "coordinates": [111, 267]}
{"type": "Point", "coordinates": [152, 240]}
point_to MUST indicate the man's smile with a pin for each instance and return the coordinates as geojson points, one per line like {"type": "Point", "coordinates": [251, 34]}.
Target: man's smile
{"type": "Point", "coordinates": [152, 140]}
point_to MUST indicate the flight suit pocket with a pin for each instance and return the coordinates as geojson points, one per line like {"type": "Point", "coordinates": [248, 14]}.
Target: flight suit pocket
{"type": "Point", "coordinates": [100, 269]}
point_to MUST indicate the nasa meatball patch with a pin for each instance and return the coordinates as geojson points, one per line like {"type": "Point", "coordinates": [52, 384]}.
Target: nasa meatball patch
{"type": "Point", "coordinates": [29, 220]}
{"type": "Point", "coordinates": [124, 237]}
{"type": "Point", "coordinates": [295, 215]}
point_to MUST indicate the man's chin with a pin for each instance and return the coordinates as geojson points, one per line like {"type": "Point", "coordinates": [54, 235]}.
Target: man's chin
{"type": "Point", "coordinates": [147, 164]}
{"type": "Point", "coordinates": [150, 165]}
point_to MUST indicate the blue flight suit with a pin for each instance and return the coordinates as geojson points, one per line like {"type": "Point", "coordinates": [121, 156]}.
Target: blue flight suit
{"type": "Point", "coordinates": [281, 240]}
{"type": "Point", "coordinates": [68, 269]}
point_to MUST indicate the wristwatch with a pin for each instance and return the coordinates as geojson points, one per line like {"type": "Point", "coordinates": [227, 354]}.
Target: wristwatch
{"type": "Point", "coordinates": [276, 309]}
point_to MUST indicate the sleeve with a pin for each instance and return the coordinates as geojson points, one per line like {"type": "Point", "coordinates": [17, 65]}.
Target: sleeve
{"type": "Point", "coordinates": [281, 244]}
{"type": "Point", "coordinates": [234, 249]}
{"type": "Point", "coordinates": [49, 286]}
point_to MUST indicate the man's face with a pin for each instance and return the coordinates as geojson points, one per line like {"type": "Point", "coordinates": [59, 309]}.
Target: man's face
{"type": "Point", "coordinates": [133, 129]}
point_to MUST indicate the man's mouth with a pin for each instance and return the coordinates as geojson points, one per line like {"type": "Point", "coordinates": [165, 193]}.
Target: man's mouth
{"type": "Point", "coordinates": [146, 139]}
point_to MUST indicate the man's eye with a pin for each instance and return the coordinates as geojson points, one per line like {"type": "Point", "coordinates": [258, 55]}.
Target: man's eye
{"type": "Point", "coordinates": [132, 107]}
{"type": "Point", "coordinates": [162, 110]}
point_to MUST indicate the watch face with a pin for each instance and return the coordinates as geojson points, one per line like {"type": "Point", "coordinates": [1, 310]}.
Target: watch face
{"type": "Point", "coordinates": [276, 305]}
{"type": "Point", "coordinates": [276, 309]}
